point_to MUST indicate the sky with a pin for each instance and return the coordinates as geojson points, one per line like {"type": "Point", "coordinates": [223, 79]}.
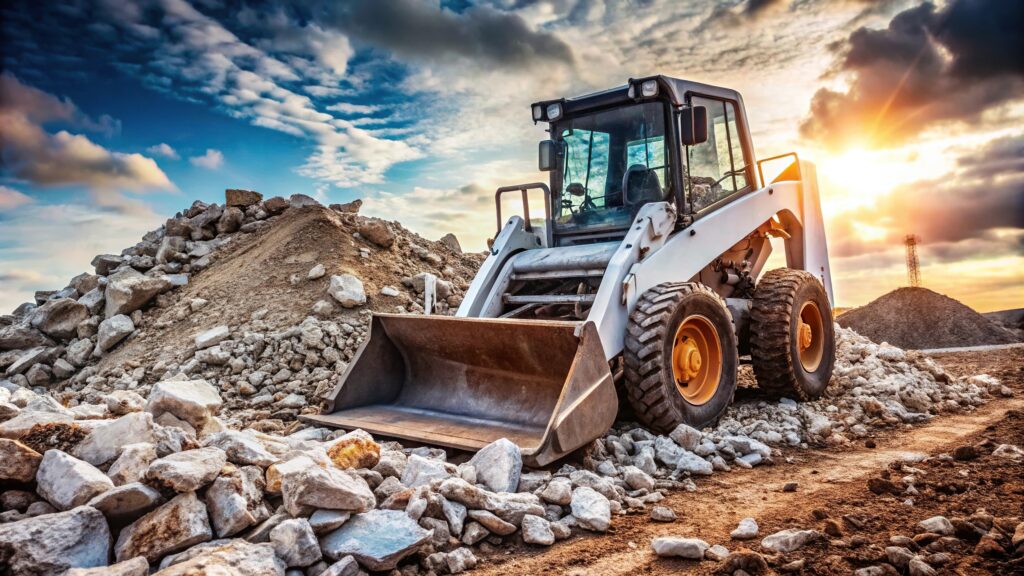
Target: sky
{"type": "Point", "coordinates": [114, 115]}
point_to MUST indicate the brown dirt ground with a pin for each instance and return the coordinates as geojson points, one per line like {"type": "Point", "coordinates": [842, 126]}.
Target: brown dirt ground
{"type": "Point", "coordinates": [252, 272]}
{"type": "Point", "coordinates": [831, 480]}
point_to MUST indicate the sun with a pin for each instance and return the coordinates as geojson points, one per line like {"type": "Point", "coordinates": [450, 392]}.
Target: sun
{"type": "Point", "coordinates": [860, 177]}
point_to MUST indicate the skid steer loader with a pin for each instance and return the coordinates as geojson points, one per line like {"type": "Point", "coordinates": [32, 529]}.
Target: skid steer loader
{"type": "Point", "coordinates": [643, 279]}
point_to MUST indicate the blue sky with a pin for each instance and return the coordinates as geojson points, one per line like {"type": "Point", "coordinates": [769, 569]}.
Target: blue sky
{"type": "Point", "coordinates": [117, 114]}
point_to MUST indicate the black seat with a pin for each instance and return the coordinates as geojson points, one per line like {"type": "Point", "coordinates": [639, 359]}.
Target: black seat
{"type": "Point", "coordinates": [640, 185]}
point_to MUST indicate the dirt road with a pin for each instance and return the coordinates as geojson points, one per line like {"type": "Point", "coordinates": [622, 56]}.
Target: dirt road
{"type": "Point", "coordinates": [830, 483]}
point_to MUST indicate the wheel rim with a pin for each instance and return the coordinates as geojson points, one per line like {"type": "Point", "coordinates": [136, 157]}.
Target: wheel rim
{"type": "Point", "coordinates": [810, 336]}
{"type": "Point", "coordinates": [697, 359]}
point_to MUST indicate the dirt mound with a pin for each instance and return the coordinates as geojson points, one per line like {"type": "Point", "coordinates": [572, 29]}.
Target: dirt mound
{"type": "Point", "coordinates": [917, 318]}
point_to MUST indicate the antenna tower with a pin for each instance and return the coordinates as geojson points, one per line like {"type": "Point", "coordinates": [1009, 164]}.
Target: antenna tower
{"type": "Point", "coordinates": [913, 264]}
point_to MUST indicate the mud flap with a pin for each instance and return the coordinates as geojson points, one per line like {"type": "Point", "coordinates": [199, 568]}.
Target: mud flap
{"type": "Point", "coordinates": [465, 382]}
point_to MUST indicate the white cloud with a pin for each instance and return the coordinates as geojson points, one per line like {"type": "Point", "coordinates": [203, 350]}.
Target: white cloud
{"type": "Point", "coordinates": [163, 149]}
{"type": "Point", "coordinates": [212, 160]}
{"type": "Point", "coordinates": [11, 199]}
{"type": "Point", "coordinates": [346, 108]}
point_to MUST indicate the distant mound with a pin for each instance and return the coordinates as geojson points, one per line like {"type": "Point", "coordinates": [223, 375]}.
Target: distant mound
{"type": "Point", "coordinates": [917, 318]}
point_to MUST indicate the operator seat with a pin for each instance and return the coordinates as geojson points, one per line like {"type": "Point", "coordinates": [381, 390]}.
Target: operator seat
{"type": "Point", "coordinates": [640, 186]}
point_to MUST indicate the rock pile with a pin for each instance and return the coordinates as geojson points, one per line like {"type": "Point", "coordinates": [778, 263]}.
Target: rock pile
{"type": "Point", "coordinates": [918, 319]}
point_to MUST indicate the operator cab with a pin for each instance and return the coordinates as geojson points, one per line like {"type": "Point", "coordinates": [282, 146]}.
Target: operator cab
{"type": "Point", "coordinates": [653, 140]}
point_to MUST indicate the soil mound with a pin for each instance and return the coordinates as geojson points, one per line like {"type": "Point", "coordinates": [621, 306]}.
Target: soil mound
{"type": "Point", "coordinates": [918, 318]}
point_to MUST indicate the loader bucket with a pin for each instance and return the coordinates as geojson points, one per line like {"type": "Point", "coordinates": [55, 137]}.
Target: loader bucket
{"type": "Point", "coordinates": [465, 382]}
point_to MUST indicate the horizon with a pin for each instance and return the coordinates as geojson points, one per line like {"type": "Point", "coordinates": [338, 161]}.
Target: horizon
{"type": "Point", "coordinates": [114, 118]}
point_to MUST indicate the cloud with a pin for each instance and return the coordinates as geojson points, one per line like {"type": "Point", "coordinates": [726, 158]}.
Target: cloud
{"type": "Point", "coordinates": [39, 107]}
{"type": "Point", "coordinates": [417, 30]}
{"type": "Point", "coordinates": [164, 150]}
{"type": "Point", "coordinates": [928, 66]}
{"type": "Point", "coordinates": [11, 199]}
{"type": "Point", "coordinates": [211, 160]}
{"type": "Point", "coordinates": [346, 108]}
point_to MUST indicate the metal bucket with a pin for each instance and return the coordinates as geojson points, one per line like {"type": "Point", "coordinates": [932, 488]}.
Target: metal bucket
{"type": "Point", "coordinates": [465, 382]}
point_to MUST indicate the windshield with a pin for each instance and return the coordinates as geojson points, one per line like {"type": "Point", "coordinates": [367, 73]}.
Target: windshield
{"type": "Point", "coordinates": [611, 163]}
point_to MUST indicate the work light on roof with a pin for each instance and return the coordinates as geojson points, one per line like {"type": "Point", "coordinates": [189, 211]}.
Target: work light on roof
{"type": "Point", "coordinates": [538, 112]}
{"type": "Point", "coordinates": [649, 88]}
{"type": "Point", "coordinates": [554, 111]}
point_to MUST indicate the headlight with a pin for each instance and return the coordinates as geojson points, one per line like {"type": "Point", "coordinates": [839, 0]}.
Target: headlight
{"type": "Point", "coordinates": [631, 93]}
{"type": "Point", "coordinates": [554, 111]}
{"type": "Point", "coordinates": [649, 88]}
{"type": "Point", "coordinates": [538, 112]}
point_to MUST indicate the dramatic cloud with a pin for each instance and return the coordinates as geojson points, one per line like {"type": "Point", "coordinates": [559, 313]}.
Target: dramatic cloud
{"type": "Point", "coordinates": [11, 199]}
{"type": "Point", "coordinates": [164, 150]}
{"type": "Point", "coordinates": [928, 66]}
{"type": "Point", "coordinates": [211, 160]}
{"type": "Point", "coordinates": [30, 153]}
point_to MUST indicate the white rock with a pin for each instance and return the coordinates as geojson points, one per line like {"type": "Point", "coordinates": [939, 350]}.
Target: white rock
{"type": "Point", "coordinates": [537, 530]}
{"type": "Point", "coordinates": [347, 566]}
{"type": "Point", "coordinates": [189, 470]}
{"type": "Point", "coordinates": [212, 337]}
{"type": "Point", "coordinates": [132, 464]}
{"type": "Point", "coordinates": [105, 442]}
{"type": "Point", "coordinates": [460, 560]}
{"type": "Point", "coordinates": [789, 540]}
{"type": "Point", "coordinates": [419, 471]}
{"type": "Point", "coordinates": [637, 479]}
{"type": "Point", "coordinates": [173, 527]}
{"type": "Point", "coordinates": [52, 543]}
{"type": "Point", "coordinates": [378, 539]}
{"type": "Point", "coordinates": [67, 482]}
{"type": "Point", "coordinates": [121, 402]}
{"type": "Point", "coordinates": [295, 543]}
{"type": "Point", "coordinates": [112, 331]}
{"type": "Point", "coordinates": [347, 290]}
{"type": "Point", "coordinates": [127, 502]}
{"type": "Point", "coordinates": [498, 465]}
{"type": "Point", "coordinates": [135, 567]}
{"type": "Point", "coordinates": [671, 546]}
{"type": "Point", "coordinates": [314, 487]}
{"type": "Point", "coordinates": [128, 290]}
{"type": "Point", "coordinates": [693, 464]}
{"type": "Point", "coordinates": [746, 530]}
{"type": "Point", "coordinates": [686, 436]}
{"type": "Point", "coordinates": [716, 553]}
{"type": "Point", "coordinates": [591, 510]}
{"type": "Point", "coordinates": [234, 558]}
{"type": "Point", "coordinates": [324, 521]}
{"type": "Point", "coordinates": [242, 448]}
{"type": "Point", "coordinates": [937, 525]}
{"type": "Point", "coordinates": [455, 513]}
{"type": "Point", "coordinates": [474, 533]}
{"type": "Point", "coordinates": [389, 291]}
{"type": "Point", "coordinates": [315, 272]}
{"type": "Point", "coordinates": [558, 491]}
{"type": "Point", "coordinates": [235, 501]}
{"type": "Point", "coordinates": [193, 401]}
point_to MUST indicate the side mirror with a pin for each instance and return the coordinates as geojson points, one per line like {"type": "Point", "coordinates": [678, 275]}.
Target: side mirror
{"type": "Point", "coordinates": [546, 155]}
{"type": "Point", "coordinates": [693, 125]}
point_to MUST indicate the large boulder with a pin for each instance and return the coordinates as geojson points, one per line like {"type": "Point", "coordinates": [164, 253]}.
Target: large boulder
{"type": "Point", "coordinates": [378, 539]}
{"type": "Point", "coordinates": [132, 464]}
{"type": "Point", "coordinates": [127, 502]}
{"type": "Point", "coordinates": [498, 465]}
{"type": "Point", "coordinates": [235, 558]}
{"type": "Point", "coordinates": [59, 318]}
{"type": "Point", "coordinates": [113, 330]}
{"type": "Point", "coordinates": [235, 501]}
{"type": "Point", "coordinates": [105, 441]}
{"type": "Point", "coordinates": [314, 487]}
{"type": "Point", "coordinates": [67, 482]}
{"type": "Point", "coordinates": [187, 471]}
{"type": "Point", "coordinates": [591, 509]}
{"type": "Point", "coordinates": [377, 231]}
{"type": "Point", "coordinates": [20, 463]}
{"type": "Point", "coordinates": [21, 336]}
{"type": "Point", "coordinates": [295, 543]}
{"type": "Point", "coordinates": [53, 543]}
{"type": "Point", "coordinates": [135, 567]}
{"type": "Point", "coordinates": [230, 221]}
{"type": "Point", "coordinates": [347, 290]}
{"type": "Point", "coordinates": [193, 401]}
{"type": "Point", "coordinates": [173, 527]}
{"type": "Point", "coordinates": [243, 198]}
{"type": "Point", "coordinates": [242, 448]}
{"type": "Point", "coordinates": [510, 507]}
{"type": "Point", "coordinates": [355, 449]}
{"type": "Point", "coordinates": [128, 290]}
{"type": "Point", "coordinates": [104, 264]}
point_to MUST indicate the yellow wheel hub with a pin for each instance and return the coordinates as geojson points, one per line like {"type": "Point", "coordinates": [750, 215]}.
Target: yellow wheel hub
{"type": "Point", "coordinates": [810, 336]}
{"type": "Point", "coordinates": [697, 359]}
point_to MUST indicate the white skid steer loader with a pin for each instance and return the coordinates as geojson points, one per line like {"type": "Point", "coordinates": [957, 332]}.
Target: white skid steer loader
{"type": "Point", "coordinates": [644, 276]}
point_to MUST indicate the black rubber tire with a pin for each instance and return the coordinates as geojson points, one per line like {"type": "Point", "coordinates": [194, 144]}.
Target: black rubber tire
{"type": "Point", "coordinates": [647, 354]}
{"type": "Point", "coordinates": [774, 321]}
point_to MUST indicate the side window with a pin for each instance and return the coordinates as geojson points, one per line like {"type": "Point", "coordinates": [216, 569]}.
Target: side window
{"type": "Point", "coordinates": [715, 168]}
{"type": "Point", "coordinates": [586, 162]}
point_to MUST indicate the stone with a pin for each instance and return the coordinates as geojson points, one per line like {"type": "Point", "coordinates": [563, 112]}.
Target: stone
{"type": "Point", "coordinates": [132, 464]}
{"type": "Point", "coordinates": [558, 491]}
{"type": "Point", "coordinates": [348, 207]}
{"type": "Point", "coordinates": [104, 264]}
{"type": "Point", "coordinates": [492, 523]}
{"type": "Point", "coordinates": [187, 471]}
{"type": "Point", "coordinates": [236, 197]}
{"type": "Point", "coordinates": [59, 318]}
{"type": "Point", "coordinates": [789, 540]}
{"type": "Point", "coordinates": [301, 201]}
{"type": "Point", "coordinates": [355, 449]}
{"type": "Point", "coordinates": [460, 560]}
{"type": "Point", "coordinates": [378, 539]}
{"type": "Point", "coordinates": [745, 561]}
{"type": "Point", "coordinates": [276, 205]}
{"type": "Point", "coordinates": [63, 369]}
{"type": "Point", "coordinates": [67, 482]}
{"type": "Point", "coordinates": [663, 514]}
{"type": "Point", "coordinates": [537, 530]}
{"type": "Point", "coordinates": [377, 231]}
{"type": "Point", "coordinates": [316, 272]}
{"type": "Point", "coordinates": [128, 290]}
{"type": "Point", "coordinates": [235, 501]}
{"type": "Point", "coordinates": [233, 558]}
{"type": "Point", "coordinates": [324, 521]}
{"type": "Point", "coordinates": [178, 227]}
{"type": "Point", "coordinates": [637, 479]}
{"type": "Point", "coordinates": [174, 526]}
{"type": "Point", "coordinates": [20, 463]}
{"type": "Point", "coordinates": [937, 525]}
{"type": "Point", "coordinates": [473, 533]}
{"type": "Point", "coordinates": [716, 553]}
{"type": "Point", "coordinates": [347, 566]}
{"type": "Point", "coordinates": [456, 514]}
{"type": "Point", "coordinates": [451, 242]}
{"type": "Point", "coordinates": [230, 221]}
{"type": "Point", "coordinates": [112, 331]}
{"type": "Point", "coordinates": [686, 436]}
{"type": "Point", "coordinates": [314, 487]}
{"type": "Point", "coordinates": [212, 337]}
{"type": "Point", "coordinates": [27, 359]}
{"type": "Point", "coordinates": [93, 300]}
{"type": "Point", "coordinates": [347, 290]}
{"type": "Point", "coordinates": [295, 543]}
{"type": "Point", "coordinates": [53, 543]}
{"type": "Point", "coordinates": [242, 448]}
{"type": "Point", "coordinates": [693, 464]}
{"type": "Point", "coordinates": [135, 567]}
{"type": "Point", "coordinates": [126, 502]}
{"type": "Point", "coordinates": [498, 465]}
{"type": "Point", "coordinates": [105, 441]}
{"type": "Point", "coordinates": [419, 471]}
{"type": "Point", "coordinates": [591, 510]}
{"type": "Point", "coordinates": [510, 507]}
{"type": "Point", "coordinates": [38, 375]}
{"type": "Point", "coordinates": [675, 547]}
{"type": "Point", "coordinates": [898, 556]}
{"type": "Point", "coordinates": [193, 401]}
{"type": "Point", "coordinates": [746, 530]}
{"type": "Point", "coordinates": [22, 337]}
